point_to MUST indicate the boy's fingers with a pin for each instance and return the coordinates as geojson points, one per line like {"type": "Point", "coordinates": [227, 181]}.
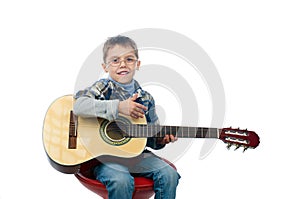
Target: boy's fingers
{"type": "Point", "coordinates": [139, 112]}
{"type": "Point", "coordinates": [134, 97]}
{"type": "Point", "coordinates": [133, 115]}
{"type": "Point", "coordinates": [173, 138]}
{"type": "Point", "coordinates": [140, 106]}
{"type": "Point", "coordinates": [167, 139]}
{"type": "Point", "coordinates": [136, 115]}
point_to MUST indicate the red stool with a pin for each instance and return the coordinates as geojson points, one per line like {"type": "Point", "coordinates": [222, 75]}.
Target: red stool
{"type": "Point", "coordinates": [143, 188]}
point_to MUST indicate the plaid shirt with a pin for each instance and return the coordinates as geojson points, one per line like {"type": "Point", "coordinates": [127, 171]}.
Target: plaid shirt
{"type": "Point", "coordinates": [105, 89]}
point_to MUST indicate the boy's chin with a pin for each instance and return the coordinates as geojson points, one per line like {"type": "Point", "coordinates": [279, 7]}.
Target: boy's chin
{"type": "Point", "coordinates": [124, 80]}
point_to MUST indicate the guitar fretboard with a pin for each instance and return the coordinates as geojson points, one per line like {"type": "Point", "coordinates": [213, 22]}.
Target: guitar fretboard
{"type": "Point", "coordinates": [179, 131]}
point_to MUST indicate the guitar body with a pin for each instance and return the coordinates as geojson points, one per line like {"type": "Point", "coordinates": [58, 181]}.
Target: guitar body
{"type": "Point", "coordinates": [70, 141]}
{"type": "Point", "coordinates": [93, 137]}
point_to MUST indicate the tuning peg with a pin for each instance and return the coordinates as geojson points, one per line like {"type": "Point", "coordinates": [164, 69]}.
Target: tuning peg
{"type": "Point", "coordinates": [245, 148]}
{"type": "Point", "coordinates": [237, 146]}
{"type": "Point", "coordinates": [229, 145]}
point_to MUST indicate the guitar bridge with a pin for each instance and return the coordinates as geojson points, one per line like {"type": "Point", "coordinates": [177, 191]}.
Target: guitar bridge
{"type": "Point", "coordinates": [72, 131]}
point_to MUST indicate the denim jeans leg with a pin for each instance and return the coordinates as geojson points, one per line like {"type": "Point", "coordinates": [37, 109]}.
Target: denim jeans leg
{"type": "Point", "coordinates": [117, 179]}
{"type": "Point", "coordinates": [164, 176]}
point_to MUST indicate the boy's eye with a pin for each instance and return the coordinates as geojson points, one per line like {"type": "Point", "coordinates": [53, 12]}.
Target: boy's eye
{"type": "Point", "coordinates": [115, 60]}
{"type": "Point", "coordinates": [129, 60]}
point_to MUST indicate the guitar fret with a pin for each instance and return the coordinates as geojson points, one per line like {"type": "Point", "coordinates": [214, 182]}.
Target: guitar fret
{"type": "Point", "coordinates": [141, 130]}
{"type": "Point", "coordinates": [129, 130]}
{"type": "Point", "coordinates": [174, 130]}
{"type": "Point", "coordinates": [136, 130]}
{"type": "Point", "coordinates": [166, 131]}
{"type": "Point", "coordinates": [207, 133]}
{"type": "Point", "coordinates": [148, 130]}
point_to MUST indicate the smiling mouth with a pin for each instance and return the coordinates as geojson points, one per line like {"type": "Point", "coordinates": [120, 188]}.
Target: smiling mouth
{"type": "Point", "coordinates": [123, 73]}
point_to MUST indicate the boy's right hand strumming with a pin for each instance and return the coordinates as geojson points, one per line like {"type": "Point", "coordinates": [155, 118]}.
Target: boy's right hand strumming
{"type": "Point", "coordinates": [131, 108]}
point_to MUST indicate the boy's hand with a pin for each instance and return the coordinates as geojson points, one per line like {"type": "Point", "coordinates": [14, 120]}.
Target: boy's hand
{"type": "Point", "coordinates": [167, 139]}
{"type": "Point", "coordinates": [131, 108]}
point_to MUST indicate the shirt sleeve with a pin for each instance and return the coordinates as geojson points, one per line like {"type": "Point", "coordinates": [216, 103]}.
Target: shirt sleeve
{"type": "Point", "coordinates": [89, 107]}
{"type": "Point", "coordinates": [91, 102]}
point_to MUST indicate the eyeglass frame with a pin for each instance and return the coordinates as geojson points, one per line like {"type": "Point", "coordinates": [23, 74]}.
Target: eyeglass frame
{"type": "Point", "coordinates": [125, 61]}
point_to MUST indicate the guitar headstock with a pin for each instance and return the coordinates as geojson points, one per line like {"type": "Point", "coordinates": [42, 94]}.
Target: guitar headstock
{"type": "Point", "coordinates": [239, 137]}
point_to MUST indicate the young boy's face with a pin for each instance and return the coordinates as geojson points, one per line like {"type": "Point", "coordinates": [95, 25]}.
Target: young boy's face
{"type": "Point", "coordinates": [121, 63]}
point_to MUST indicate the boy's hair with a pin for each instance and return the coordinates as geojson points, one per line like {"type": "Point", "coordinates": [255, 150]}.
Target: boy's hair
{"type": "Point", "coordinates": [119, 40]}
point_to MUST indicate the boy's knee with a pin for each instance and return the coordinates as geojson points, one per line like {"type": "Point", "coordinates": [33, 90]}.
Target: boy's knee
{"type": "Point", "coordinates": [170, 176]}
{"type": "Point", "coordinates": [122, 181]}
{"type": "Point", "coordinates": [174, 176]}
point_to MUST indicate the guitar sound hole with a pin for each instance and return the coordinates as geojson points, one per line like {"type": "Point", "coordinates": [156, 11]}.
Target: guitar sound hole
{"type": "Point", "coordinates": [115, 131]}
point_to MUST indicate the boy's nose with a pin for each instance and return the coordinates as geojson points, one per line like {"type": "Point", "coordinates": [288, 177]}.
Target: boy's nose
{"type": "Point", "coordinates": [122, 63]}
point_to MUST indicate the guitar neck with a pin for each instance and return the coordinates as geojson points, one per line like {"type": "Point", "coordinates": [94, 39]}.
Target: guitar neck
{"type": "Point", "coordinates": [179, 131]}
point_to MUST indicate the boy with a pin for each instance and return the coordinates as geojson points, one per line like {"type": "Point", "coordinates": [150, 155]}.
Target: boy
{"type": "Point", "coordinates": [120, 93]}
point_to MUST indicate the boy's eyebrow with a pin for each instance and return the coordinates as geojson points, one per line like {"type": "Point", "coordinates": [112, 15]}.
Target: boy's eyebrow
{"type": "Point", "coordinates": [130, 54]}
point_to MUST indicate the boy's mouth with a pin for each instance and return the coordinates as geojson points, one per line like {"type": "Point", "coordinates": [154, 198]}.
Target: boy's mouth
{"type": "Point", "coordinates": [123, 72]}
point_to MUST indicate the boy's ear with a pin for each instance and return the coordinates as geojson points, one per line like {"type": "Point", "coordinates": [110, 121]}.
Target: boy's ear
{"type": "Point", "coordinates": [138, 64]}
{"type": "Point", "coordinates": [104, 67]}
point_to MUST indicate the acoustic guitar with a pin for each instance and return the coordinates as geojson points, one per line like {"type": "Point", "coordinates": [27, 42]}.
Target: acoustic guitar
{"type": "Point", "coordinates": [70, 141]}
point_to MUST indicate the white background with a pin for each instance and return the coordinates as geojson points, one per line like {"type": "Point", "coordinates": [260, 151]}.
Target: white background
{"type": "Point", "coordinates": [253, 44]}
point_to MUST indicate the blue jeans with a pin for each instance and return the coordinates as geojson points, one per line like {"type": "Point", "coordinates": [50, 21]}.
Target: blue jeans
{"type": "Point", "coordinates": [119, 180]}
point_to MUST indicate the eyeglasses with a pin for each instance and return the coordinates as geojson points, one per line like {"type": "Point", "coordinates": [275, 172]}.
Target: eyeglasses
{"type": "Point", "coordinates": [116, 62]}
